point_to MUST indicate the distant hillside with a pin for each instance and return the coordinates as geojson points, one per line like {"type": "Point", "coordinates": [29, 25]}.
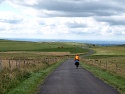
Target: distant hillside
{"type": "Point", "coordinates": [96, 42]}
{"type": "Point", "coordinates": [121, 45]}
{"type": "Point", "coordinates": [72, 47]}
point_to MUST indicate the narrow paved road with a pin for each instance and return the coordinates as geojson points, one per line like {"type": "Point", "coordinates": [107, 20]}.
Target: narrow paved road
{"type": "Point", "coordinates": [66, 79]}
{"type": "Point", "coordinates": [90, 51]}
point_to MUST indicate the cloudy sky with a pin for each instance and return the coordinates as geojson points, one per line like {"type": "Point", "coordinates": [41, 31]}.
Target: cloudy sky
{"type": "Point", "coordinates": [63, 19]}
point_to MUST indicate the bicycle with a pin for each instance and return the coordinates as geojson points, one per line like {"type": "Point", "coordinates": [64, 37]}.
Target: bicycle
{"type": "Point", "coordinates": [77, 63]}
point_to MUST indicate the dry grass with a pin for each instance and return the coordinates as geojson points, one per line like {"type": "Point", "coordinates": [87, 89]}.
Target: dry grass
{"type": "Point", "coordinates": [19, 59]}
{"type": "Point", "coordinates": [22, 63]}
{"type": "Point", "coordinates": [113, 64]}
{"type": "Point", "coordinates": [39, 53]}
{"type": "Point", "coordinates": [14, 71]}
{"type": "Point", "coordinates": [26, 54]}
{"type": "Point", "coordinates": [111, 50]}
{"type": "Point", "coordinates": [110, 58]}
{"type": "Point", "coordinates": [18, 66]}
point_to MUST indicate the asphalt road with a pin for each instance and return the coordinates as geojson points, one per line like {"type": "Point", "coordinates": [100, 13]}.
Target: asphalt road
{"type": "Point", "coordinates": [90, 51]}
{"type": "Point", "coordinates": [66, 79]}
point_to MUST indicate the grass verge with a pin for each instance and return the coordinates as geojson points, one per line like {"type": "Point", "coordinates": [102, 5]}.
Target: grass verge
{"type": "Point", "coordinates": [112, 79]}
{"type": "Point", "coordinates": [29, 85]}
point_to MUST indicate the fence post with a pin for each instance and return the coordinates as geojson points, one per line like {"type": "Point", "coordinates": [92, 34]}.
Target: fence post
{"type": "Point", "coordinates": [9, 64]}
{"type": "Point", "coordinates": [116, 67]}
{"type": "Point", "coordinates": [100, 63]}
{"type": "Point", "coordinates": [16, 64]}
{"type": "Point", "coordinates": [0, 64]}
{"type": "Point", "coordinates": [106, 65]}
{"type": "Point", "coordinates": [24, 62]}
{"type": "Point", "coordinates": [19, 63]}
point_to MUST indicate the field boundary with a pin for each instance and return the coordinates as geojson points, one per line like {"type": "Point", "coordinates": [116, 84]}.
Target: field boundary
{"type": "Point", "coordinates": [108, 65]}
{"type": "Point", "coordinates": [113, 79]}
{"type": "Point", "coordinates": [30, 85]}
{"type": "Point", "coordinates": [24, 63]}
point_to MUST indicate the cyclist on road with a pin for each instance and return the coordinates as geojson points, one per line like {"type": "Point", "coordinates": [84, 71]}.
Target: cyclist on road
{"type": "Point", "coordinates": [77, 61]}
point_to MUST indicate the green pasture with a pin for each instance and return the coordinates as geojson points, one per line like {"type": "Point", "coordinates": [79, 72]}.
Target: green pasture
{"type": "Point", "coordinates": [115, 55]}
{"type": "Point", "coordinates": [111, 69]}
{"type": "Point", "coordinates": [6, 46]}
{"type": "Point", "coordinates": [109, 50]}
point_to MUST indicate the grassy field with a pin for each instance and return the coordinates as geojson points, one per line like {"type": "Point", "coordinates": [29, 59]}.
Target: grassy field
{"type": "Point", "coordinates": [112, 58]}
{"type": "Point", "coordinates": [22, 62]}
{"type": "Point", "coordinates": [6, 46]}
{"type": "Point", "coordinates": [30, 84]}
{"type": "Point", "coordinates": [110, 50]}
{"type": "Point", "coordinates": [16, 49]}
{"type": "Point", "coordinates": [108, 63]}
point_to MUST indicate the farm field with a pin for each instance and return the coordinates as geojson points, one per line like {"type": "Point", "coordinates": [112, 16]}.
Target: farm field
{"type": "Point", "coordinates": [109, 50]}
{"type": "Point", "coordinates": [111, 58]}
{"type": "Point", "coordinates": [22, 51]}
{"type": "Point", "coordinates": [6, 46]}
{"type": "Point", "coordinates": [20, 59]}
{"type": "Point", "coordinates": [108, 63]}
{"type": "Point", "coordinates": [16, 49]}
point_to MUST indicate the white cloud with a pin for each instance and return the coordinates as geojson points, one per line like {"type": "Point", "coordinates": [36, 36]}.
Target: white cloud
{"type": "Point", "coordinates": [72, 19]}
{"type": "Point", "coordinates": [23, 2]}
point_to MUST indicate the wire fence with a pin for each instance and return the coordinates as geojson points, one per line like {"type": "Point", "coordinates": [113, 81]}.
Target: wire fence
{"type": "Point", "coordinates": [26, 63]}
{"type": "Point", "coordinates": [13, 71]}
{"type": "Point", "coordinates": [114, 66]}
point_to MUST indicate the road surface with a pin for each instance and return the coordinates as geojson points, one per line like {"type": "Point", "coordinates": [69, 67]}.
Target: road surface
{"type": "Point", "coordinates": [66, 79]}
